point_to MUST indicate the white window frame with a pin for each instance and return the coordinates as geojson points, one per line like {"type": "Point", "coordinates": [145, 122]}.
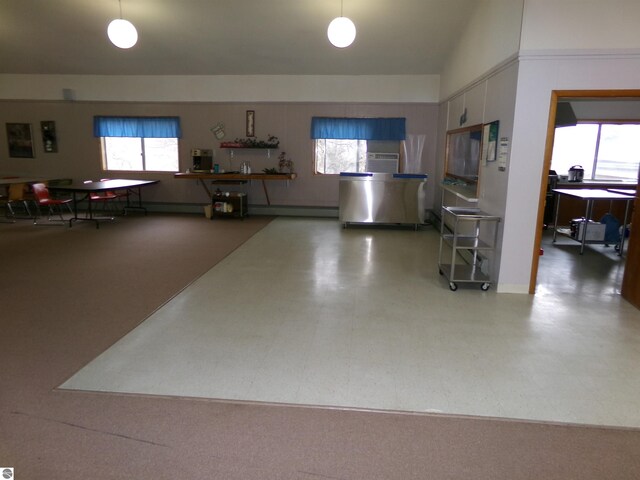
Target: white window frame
{"type": "Point", "coordinates": [590, 160]}
{"type": "Point", "coordinates": [143, 148]}
{"type": "Point", "coordinates": [356, 163]}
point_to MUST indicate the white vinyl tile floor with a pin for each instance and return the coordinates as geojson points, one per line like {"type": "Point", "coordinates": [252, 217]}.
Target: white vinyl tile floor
{"type": "Point", "coordinates": [307, 312]}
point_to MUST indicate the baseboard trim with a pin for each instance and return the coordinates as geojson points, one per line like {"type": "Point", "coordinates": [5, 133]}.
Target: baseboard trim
{"type": "Point", "coordinates": [274, 210]}
{"type": "Point", "coordinates": [512, 288]}
{"type": "Point", "coordinates": [277, 210]}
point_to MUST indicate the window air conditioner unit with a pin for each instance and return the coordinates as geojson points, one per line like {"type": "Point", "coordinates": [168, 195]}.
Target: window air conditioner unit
{"type": "Point", "coordinates": [382, 162]}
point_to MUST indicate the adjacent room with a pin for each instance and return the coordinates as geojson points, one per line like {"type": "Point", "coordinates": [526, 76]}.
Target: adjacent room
{"type": "Point", "coordinates": [335, 239]}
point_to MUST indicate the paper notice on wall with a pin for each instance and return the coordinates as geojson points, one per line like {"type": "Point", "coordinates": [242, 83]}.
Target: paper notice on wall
{"type": "Point", "coordinates": [489, 142]}
{"type": "Point", "coordinates": [503, 153]}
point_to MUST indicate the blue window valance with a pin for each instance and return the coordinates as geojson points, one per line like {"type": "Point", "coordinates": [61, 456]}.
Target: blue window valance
{"type": "Point", "coordinates": [358, 128]}
{"type": "Point", "coordinates": [141, 127]}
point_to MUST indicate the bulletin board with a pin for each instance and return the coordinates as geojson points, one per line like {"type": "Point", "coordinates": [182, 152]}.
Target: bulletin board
{"type": "Point", "coordinates": [490, 142]}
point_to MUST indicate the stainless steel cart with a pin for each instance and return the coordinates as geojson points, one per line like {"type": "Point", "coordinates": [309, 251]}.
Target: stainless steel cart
{"type": "Point", "coordinates": [471, 236]}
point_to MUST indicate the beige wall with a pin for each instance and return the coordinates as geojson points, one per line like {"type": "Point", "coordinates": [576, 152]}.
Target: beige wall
{"type": "Point", "coordinates": [580, 25]}
{"type": "Point", "coordinates": [224, 88]}
{"type": "Point", "coordinates": [537, 78]}
{"type": "Point", "coordinates": [79, 152]}
{"type": "Point", "coordinates": [493, 98]}
{"type": "Point", "coordinates": [492, 37]}
{"type": "Point", "coordinates": [564, 44]}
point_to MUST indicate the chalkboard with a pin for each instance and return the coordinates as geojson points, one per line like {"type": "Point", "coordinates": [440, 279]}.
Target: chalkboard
{"type": "Point", "coordinates": [463, 153]}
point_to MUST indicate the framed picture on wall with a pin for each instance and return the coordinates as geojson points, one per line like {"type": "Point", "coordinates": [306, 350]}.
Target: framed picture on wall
{"type": "Point", "coordinates": [20, 140]}
{"type": "Point", "coordinates": [251, 126]}
{"type": "Point", "coordinates": [49, 138]}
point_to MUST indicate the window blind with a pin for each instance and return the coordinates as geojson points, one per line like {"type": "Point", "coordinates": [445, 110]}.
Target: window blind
{"type": "Point", "coordinates": [140, 127]}
{"type": "Point", "coordinates": [358, 128]}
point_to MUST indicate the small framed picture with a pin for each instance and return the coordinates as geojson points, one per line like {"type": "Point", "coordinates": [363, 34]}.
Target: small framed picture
{"type": "Point", "coordinates": [49, 138]}
{"type": "Point", "coordinates": [20, 140]}
{"type": "Point", "coordinates": [251, 125]}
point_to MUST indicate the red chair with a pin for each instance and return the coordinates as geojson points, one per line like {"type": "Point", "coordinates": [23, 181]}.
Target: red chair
{"type": "Point", "coordinates": [43, 199]}
{"type": "Point", "coordinates": [120, 195]}
{"type": "Point", "coordinates": [104, 198]}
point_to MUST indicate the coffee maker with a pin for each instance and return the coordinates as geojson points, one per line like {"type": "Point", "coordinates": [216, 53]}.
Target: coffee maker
{"type": "Point", "coordinates": [202, 160]}
{"type": "Point", "coordinates": [576, 173]}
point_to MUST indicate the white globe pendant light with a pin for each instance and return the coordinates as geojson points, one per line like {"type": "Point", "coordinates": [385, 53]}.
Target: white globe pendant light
{"type": "Point", "coordinates": [121, 32]}
{"type": "Point", "coordinates": [341, 31]}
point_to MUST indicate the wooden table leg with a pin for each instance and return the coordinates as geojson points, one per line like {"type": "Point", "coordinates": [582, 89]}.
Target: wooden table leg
{"type": "Point", "coordinates": [266, 194]}
{"type": "Point", "coordinates": [204, 185]}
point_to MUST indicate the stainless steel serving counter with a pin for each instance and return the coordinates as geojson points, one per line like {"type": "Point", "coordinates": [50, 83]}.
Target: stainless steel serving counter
{"type": "Point", "coordinates": [397, 198]}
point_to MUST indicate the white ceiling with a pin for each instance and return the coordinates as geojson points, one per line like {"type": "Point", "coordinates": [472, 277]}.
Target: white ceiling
{"type": "Point", "coordinates": [218, 37]}
{"type": "Point", "coordinates": [606, 109]}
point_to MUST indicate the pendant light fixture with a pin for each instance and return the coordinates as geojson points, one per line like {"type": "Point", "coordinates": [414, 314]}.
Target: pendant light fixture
{"type": "Point", "coordinates": [121, 32]}
{"type": "Point", "coordinates": [341, 31]}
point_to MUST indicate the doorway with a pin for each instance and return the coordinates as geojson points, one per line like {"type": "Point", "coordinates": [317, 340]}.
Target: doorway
{"type": "Point", "coordinates": [609, 105]}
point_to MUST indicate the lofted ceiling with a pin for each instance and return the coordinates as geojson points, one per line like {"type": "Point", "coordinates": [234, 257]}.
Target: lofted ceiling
{"type": "Point", "coordinates": [229, 37]}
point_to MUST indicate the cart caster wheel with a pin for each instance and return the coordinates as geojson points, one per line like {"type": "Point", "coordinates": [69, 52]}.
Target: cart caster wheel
{"type": "Point", "coordinates": [452, 286]}
{"type": "Point", "coordinates": [485, 286]}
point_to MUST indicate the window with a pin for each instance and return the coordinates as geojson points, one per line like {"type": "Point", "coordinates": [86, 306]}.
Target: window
{"type": "Point", "coordinates": [140, 154]}
{"type": "Point", "coordinates": [606, 151]}
{"type": "Point", "coordinates": [139, 143]}
{"type": "Point", "coordinates": [341, 144]}
{"type": "Point", "coordinates": [335, 156]}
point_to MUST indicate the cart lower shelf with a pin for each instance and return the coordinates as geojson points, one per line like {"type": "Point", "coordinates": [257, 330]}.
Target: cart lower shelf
{"type": "Point", "coordinates": [464, 274]}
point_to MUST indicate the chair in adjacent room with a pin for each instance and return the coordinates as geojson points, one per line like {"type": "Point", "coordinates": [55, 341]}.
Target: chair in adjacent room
{"type": "Point", "coordinates": [43, 199]}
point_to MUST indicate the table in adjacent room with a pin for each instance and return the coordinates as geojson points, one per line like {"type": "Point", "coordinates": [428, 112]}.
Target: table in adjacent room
{"type": "Point", "coordinates": [590, 195]}
{"type": "Point", "coordinates": [624, 191]}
